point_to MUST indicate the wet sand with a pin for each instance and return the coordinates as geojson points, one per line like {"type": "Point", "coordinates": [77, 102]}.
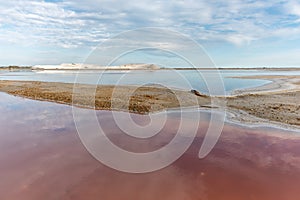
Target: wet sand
{"type": "Point", "coordinates": [276, 103]}
{"type": "Point", "coordinates": [44, 159]}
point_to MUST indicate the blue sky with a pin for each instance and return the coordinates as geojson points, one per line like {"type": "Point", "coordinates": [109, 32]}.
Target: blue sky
{"type": "Point", "coordinates": [234, 33]}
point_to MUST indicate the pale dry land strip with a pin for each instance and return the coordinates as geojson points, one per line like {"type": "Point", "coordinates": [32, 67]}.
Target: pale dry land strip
{"type": "Point", "coordinates": [277, 102]}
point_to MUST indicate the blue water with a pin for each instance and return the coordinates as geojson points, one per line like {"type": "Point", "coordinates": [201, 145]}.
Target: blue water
{"type": "Point", "coordinates": [186, 79]}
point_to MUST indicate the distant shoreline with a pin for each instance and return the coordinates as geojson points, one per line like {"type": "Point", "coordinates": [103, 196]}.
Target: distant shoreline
{"type": "Point", "coordinates": [279, 83]}
{"type": "Point", "coordinates": [123, 67]}
{"type": "Point", "coordinates": [248, 68]}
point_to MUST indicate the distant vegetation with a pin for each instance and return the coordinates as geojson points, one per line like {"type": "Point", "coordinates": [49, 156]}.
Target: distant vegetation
{"type": "Point", "coordinates": [15, 67]}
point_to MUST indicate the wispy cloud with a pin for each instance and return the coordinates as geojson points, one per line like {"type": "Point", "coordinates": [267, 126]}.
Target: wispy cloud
{"type": "Point", "coordinates": [75, 24]}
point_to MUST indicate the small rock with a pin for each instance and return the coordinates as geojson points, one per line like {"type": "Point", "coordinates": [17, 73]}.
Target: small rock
{"type": "Point", "coordinates": [197, 93]}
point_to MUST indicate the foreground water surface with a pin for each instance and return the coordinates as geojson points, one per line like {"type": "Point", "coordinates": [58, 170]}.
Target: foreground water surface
{"type": "Point", "coordinates": [42, 157]}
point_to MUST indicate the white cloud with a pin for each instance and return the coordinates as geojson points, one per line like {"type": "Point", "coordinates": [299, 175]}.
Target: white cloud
{"type": "Point", "coordinates": [33, 22]}
{"type": "Point", "coordinates": [239, 39]}
{"type": "Point", "coordinates": [293, 7]}
{"type": "Point", "coordinates": [77, 23]}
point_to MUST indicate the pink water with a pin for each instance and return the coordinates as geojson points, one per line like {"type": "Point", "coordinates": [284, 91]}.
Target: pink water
{"type": "Point", "coordinates": [41, 157]}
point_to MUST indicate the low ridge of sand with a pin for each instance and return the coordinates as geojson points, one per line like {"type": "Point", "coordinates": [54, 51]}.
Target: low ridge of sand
{"type": "Point", "coordinates": [142, 100]}
{"type": "Point", "coordinates": [275, 102]}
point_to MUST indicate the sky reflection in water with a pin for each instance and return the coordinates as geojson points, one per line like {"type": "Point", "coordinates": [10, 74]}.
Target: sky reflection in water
{"type": "Point", "coordinates": [41, 157]}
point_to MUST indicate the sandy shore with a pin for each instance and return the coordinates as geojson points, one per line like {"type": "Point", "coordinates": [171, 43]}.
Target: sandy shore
{"type": "Point", "coordinates": [276, 102]}
{"type": "Point", "coordinates": [141, 100]}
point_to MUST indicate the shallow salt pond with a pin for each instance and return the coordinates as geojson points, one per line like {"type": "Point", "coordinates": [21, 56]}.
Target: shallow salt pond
{"type": "Point", "coordinates": [196, 79]}
{"type": "Point", "coordinates": [42, 157]}
{"type": "Point", "coordinates": [185, 79]}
